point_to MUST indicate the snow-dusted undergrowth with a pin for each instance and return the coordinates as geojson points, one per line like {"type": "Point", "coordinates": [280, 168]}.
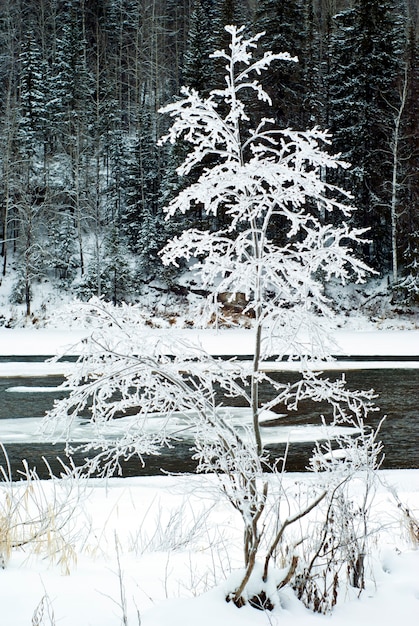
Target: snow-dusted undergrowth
{"type": "Point", "coordinates": [156, 549]}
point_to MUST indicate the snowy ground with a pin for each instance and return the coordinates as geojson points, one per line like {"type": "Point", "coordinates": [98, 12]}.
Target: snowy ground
{"type": "Point", "coordinates": [156, 551]}
{"type": "Point", "coordinates": [159, 549]}
{"type": "Point", "coordinates": [365, 341]}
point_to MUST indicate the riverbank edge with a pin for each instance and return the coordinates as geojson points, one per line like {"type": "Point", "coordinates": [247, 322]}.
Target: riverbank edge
{"type": "Point", "coordinates": [226, 342]}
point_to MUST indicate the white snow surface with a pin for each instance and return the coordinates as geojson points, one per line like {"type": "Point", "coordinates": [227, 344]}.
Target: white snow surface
{"type": "Point", "coordinates": [176, 542]}
{"type": "Point", "coordinates": [52, 341]}
{"type": "Point", "coordinates": [229, 342]}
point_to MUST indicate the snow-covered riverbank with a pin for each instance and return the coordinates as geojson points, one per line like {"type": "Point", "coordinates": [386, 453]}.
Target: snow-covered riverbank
{"type": "Point", "coordinates": [238, 342]}
{"type": "Point", "coordinates": [125, 553]}
{"type": "Point", "coordinates": [45, 341]}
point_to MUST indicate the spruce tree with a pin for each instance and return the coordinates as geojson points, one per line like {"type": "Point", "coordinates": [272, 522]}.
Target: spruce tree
{"type": "Point", "coordinates": [408, 188]}
{"type": "Point", "coordinates": [141, 219]}
{"type": "Point", "coordinates": [62, 257]}
{"type": "Point", "coordinates": [31, 88]}
{"type": "Point", "coordinates": [30, 193]}
{"type": "Point", "coordinates": [283, 23]}
{"type": "Point", "coordinates": [116, 268]}
{"type": "Point", "coordinates": [108, 275]}
{"type": "Point", "coordinates": [74, 91]}
{"type": "Point", "coordinates": [74, 117]}
{"type": "Point", "coordinates": [197, 71]}
{"type": "Point", "coordinates": [224, 13]}
{"type": "Point", "coordinates": [364, 74]}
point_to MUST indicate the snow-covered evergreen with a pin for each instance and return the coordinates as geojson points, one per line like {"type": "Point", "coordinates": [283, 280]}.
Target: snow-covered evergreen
{"type": "Point", "coordinates": [366, 64]}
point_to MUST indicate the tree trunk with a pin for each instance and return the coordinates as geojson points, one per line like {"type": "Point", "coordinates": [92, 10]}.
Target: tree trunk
{"type": "Point", "coordinates": [395, 180]}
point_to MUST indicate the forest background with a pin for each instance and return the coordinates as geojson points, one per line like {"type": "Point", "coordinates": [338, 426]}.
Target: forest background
{"type": "Point", "coordinates": [83, 182]}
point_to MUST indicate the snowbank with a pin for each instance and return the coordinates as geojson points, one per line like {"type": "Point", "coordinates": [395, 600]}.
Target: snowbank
{"type": "Point", "coordinates": [161, 547]}
{"type": "Point", "coordinates": [49, 342]}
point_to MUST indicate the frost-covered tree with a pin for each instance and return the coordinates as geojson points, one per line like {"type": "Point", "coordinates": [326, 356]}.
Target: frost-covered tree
{"type": "Point", "coordinates": [170, 386]}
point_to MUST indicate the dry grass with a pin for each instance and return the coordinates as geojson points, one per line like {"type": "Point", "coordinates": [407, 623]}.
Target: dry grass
{"type": "Point", "coordinates": [44, 613]}
{"type": "Point", "coordinates": [38, 515]}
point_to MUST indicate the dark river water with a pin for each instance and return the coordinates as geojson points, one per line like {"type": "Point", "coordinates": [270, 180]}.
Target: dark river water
{"type": "Point", "coordinates": [398, 399]}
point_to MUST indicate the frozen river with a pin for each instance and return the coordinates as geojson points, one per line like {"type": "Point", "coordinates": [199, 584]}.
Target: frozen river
{"type": "Point", "coordinates": [24, 400]}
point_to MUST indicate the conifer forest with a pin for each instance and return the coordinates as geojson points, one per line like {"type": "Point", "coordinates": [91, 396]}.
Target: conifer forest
{"type": "Point", "coordinates": [84, 181]}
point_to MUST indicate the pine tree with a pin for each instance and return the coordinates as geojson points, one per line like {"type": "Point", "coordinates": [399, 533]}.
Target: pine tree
{"type": "Point", "coordinates": [117, 270]}
{"type": "Point", "coordinates": [408, 175]}
{"type": "Point", "coordinates": [35, 104]}
{"type": "Point", "coordinates": [30, 209]}
{"type": "Point", "coordinates": [313, 61]}
{"type": "Point", "coordinates": [142, 220]}
{"type": "Point", "coordinates": [74, 83]}
{"type": "Point", "coordinates": [31, 87]}
{"type": "Point", "coordinates": [197, 71]}
{"type": "Point", "coordinates": [108, 274]}
{"type": "Point", "coordinates": [364, 74]}
{"type": "Point", "coordinates": [222, 13]}
{"type": "Point", "coordinates": [231, 12]}
{"type": "Point", "coordinates": [62, 252]}
{"type": "Point", "coordinates": [283, 23]}
{"type": "Point", "coordinates": [74, 116]}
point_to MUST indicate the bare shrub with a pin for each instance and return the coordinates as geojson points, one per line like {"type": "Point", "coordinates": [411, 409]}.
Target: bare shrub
{"type": "Point", "coordinates": [335, 556]}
